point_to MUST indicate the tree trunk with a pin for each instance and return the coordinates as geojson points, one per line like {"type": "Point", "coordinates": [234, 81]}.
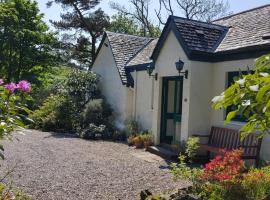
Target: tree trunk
{"type": "Point", "coordinates": [93, 51]}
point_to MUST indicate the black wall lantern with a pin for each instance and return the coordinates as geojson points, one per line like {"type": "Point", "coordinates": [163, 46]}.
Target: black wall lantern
{"type": "Point", "coordinates": [179, 66]}
{"type": "Point", "coordinates": [150, 69]}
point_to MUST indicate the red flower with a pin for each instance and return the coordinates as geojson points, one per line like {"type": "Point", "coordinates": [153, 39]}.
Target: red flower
{"type": "Point", "coordinates": [224, 168]}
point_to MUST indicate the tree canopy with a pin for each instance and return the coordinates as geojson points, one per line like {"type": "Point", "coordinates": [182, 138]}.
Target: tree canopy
{"type": "Point", "coordinates": [84, 25]}
{"type": "Point", "coordinates": [122, 23]}
{"type": "Point", "coordinates": [25, 40]}
{"type": "Point", "coordinates": [203, 10]}
{"type": "Point", "coordinates": [138, 15]}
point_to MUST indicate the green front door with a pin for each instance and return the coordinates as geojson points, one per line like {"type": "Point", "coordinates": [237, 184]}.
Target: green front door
{"type": "Point", "coordinates": [172, 93]}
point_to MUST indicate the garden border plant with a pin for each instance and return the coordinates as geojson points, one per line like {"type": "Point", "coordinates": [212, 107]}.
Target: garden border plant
{"type": "Point", "coordinates": [13, 116]}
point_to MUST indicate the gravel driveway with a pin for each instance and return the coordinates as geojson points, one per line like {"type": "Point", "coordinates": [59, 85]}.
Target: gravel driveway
{"type": "Point", "coordinates": [57, 166]}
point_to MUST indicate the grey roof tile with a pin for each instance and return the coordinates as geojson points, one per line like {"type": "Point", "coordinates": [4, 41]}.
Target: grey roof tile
{"type": "Point", "coordinates": [246, 29]}
{"type": "Point", "coordinates": [144, 55]}
{"type": "Point", "coordinates": [200, 36]}
{"type": "Point", "coordinates": [124, 48]}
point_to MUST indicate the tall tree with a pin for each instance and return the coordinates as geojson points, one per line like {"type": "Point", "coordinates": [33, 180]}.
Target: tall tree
{"type": "Point", "coordinates": [121, 23]}
{"type": "Point", "coordinates": [84, 25]}
{"type": "Point", "coordinates": [204, 10]}
{"type": "Point", "coordinates": [25, 41]}
{"type": "Point", "coordinates": [140, 13]}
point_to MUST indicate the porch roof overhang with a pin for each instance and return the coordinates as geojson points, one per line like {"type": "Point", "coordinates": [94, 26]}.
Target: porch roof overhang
{"type": "Point", "coordinates": [139, 67]}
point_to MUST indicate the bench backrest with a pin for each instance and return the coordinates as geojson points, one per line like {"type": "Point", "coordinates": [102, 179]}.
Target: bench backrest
{"type": "Point", "coordinates": [229, 139]}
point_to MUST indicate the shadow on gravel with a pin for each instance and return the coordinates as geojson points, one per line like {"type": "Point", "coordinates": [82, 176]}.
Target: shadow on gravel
{"type": "Point", "coordinates": [61, 135]}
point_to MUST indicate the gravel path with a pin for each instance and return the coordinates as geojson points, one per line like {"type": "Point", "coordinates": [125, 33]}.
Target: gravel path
{"type": "Point", "coordinates": [55, 166]}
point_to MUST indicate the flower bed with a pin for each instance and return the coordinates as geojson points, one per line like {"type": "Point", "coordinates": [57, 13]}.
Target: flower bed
{"type": "Point", "coordinates": [226, 177]}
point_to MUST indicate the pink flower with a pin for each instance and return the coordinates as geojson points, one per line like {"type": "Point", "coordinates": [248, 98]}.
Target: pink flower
{"type": "Point", "coordinates": [1, 81]}
{"type": "Point", "coordinates": [24, 86]}
{"type": "Point", "coordinates": [11, 87]}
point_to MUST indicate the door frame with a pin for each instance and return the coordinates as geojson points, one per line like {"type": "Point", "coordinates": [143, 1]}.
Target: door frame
{"type": "Point", "coordinates": [164, 105]}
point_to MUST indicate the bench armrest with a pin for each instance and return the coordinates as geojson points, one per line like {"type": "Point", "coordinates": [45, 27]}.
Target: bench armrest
{"type": "Point", "coordinates": [201, 135]}
{"type": "Point", "coordinates": [247, 146]}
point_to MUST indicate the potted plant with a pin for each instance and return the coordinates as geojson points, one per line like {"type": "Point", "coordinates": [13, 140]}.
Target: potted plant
{"type": "Point", "coordinates": [138, 142]}
{"type": "Point", "coordinates": [147, 140]}
{"type": "Point", "coordinates": [130, 140]}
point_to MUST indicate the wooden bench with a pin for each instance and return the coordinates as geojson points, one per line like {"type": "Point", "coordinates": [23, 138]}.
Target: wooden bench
{"type": "Point", "coordinates": [229, 139]}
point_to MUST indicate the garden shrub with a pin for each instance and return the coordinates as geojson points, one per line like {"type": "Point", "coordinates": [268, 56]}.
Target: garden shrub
{"type": "Point", "coordinates": [256, 184]}
{"type": "Point", "coordinates": [56, 113]}
{"type": "Point", "coordinates": [92, 131]}
{"type": "Point", "coordinates": [191, 147]}
{"type": "Point", "coordinates": [132, 127]}
{"type": "Point", "coordinates": [119, 136]}
{"type": "Point", "coordinates": [96, 111]}
{"type": "Point", "coordinates": [76, 106]}
{"type": "Point", "coordinates": [224, 168]}
{"type": "Point", "coordinates": [225, 178]}
{"type": "Point", "coordinates": [7, 192]}
{"type": "Point", "coordinates": [13, 115]}
{"type": "Point", "coordinates": [82, 86]}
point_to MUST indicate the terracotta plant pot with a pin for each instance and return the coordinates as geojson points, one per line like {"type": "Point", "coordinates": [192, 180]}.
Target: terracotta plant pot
{"type": "Point", "coordinates": [148, 144]}
{"type": "Point", "coordinates": [130, 140]}
{"type": "Point", "coordinates": [138, 142]}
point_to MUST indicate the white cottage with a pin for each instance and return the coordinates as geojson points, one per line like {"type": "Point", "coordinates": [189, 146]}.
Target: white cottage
{"type": "Point", "coordinates": [175, 106]}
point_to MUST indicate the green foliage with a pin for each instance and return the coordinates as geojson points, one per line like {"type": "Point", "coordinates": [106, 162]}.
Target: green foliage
{"type": "Point", "coordinates": [7, 192]}
{"type": "Point", "coordinates": [122, 23]}
{"type": "Point", "coordinates": [81, 87]}
{"type": "Point", "coordinates": [76, 105]}
{"type": "Point", "coordinates": [191, 147]}
{"type": "Point", "coordinates": [224, 178]}
{"type": "Point", "coordinates": [13, 111]}
{"type": "Point", "coordinates": [47, 82]}
{"type": "Point", "coordinates": [132, 127]}
{"type": "Point", "coordinates": [182, 171]}
{"type": "Point", "coordinates": [13, 115]}
{"type": "Point", "coordinates": [92, 130]}
{"type": "Point", "coordinates": [96, 111]}
{"type": "Point", "coordinates": [250, 95]}
{"type": "Point", "coordinates": [25, 41]}
{"type": "Point", "coordinates": [84, 24]}
{"type": "Point", "coordinates": [56, 113]}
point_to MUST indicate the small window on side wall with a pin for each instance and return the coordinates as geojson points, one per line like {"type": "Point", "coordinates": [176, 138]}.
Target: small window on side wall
{"type": "Point", "coordinates": [232, 76]}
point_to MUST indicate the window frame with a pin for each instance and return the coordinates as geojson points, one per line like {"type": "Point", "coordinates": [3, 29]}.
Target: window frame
{"type": "Point", "coordinates": [229, 81]}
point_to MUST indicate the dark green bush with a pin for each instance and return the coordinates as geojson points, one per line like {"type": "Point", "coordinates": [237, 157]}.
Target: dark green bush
{"type": "Point", "coordinates": [56, 114]}
{"type": "Point", "coordinates": [82, 86]}
{"type": "Point", "coordinates": [92, 131]}
{"type": "Point", "coordinates": [96, 111]}
{"type": "Point", "coordinates": [76, 106]}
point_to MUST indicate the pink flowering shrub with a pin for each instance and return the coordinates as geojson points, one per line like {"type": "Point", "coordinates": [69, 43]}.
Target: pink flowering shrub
{"type": "Point", "coordinates": [13, 112]}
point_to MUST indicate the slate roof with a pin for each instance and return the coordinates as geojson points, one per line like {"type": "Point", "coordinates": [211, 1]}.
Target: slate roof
{"type": "Point", "coordinates": [143, 56]}
{"type": "Point", "coordinates": [247, 32]}
{"type": "Point", "coordinates": [246, 29]}
{"type": "Point", "coordinates": [242, 35]}
{"type": "Point", "coordinates": [125, 47]}
{"type": "Point", "coordinates": [200, 36]}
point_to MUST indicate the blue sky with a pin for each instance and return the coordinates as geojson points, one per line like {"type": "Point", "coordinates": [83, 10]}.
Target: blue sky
{"type": "Point", "coordinates": [235, 6]}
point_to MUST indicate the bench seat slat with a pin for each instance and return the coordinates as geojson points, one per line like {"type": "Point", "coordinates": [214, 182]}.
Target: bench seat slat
{"type": "Point", "coordinates": [229, 139]}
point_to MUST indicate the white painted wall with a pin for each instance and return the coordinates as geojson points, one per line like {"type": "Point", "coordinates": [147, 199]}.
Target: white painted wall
{"type": "Point", "coordinates": [143, 102]}
{"type": "Point", "coordinates": [205, 81]}
{"type": "Point", "coordinates": [201, 83]}
{"type": "Point", "coordinates": [118, 96]}
{"type": "Point", "coordinates": [220, 71]}
{"type": "Point", "coordinates": [170, 53]}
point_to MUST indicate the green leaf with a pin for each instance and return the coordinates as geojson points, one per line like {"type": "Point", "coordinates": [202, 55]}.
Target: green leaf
{"type": "Point", "coordinates": [262, 92]}
{"type": "Point", "coordinates": [230, 116]}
